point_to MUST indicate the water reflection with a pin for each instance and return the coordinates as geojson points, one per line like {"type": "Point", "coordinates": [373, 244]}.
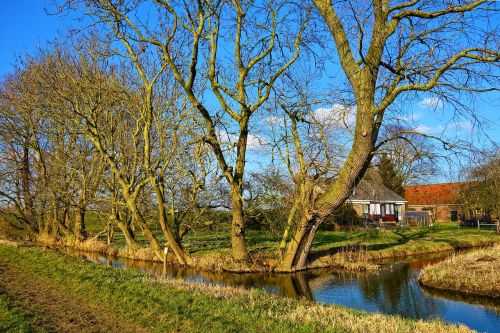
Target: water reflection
{"type": "Point", "coordinates": [393, 290]}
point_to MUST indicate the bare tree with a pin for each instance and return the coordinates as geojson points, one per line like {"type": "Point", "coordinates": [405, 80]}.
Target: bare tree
{"type": "Point", "coordinates": [17, 162]}
{"type": "Point", "coordinates": [415, 158]}
{"type": "Point", "coordinates": [389, 50]}
{"type": "Point", "coordinates": [192, 37]}
{"type": "Point", "coordinates": [78, 88]}
{"type": "Point", "coordinates": [481, 191]}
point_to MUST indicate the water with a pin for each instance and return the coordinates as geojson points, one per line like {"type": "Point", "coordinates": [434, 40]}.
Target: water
{"type": "Point", "coordinates": [393, 290]}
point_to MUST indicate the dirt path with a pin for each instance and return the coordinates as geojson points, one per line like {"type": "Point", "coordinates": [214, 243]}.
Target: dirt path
{"type": "Point", "coordinates": [51, 310]}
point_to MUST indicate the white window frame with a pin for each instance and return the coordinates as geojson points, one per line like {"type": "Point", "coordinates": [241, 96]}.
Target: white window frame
{"type": "Point", "coordinates": [375, 209]}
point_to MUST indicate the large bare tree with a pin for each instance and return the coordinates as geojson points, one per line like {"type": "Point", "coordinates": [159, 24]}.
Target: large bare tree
{"type": "Point", "coordinates": [387, 50]}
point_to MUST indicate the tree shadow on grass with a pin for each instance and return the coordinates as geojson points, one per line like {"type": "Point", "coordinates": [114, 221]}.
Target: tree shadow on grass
{"type": "Point", "coordinates": [322, 248]}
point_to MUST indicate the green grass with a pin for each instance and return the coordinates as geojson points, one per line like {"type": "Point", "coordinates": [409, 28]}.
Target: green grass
{"type": "Point", "coordinates": [12, 318]}
{"type": "Point", "coordinates": [180, 306]}
{"type": "Point", "coordinates": [374, 243]}
{"type": "Point", "coordinates": [198, 242]}
{"type": "Point", "coordinates": [379, 242]}
{"type": "Point", "coordinates": [390, 242]}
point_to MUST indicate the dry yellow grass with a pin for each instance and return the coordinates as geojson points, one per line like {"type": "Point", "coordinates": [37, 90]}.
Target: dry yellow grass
{"type": "Point", "coordinates": [477, 272]}
{"type": "Point", "coordinates": [353, 258]}
{"type": "Point", "coordinates": [142, 253]}
{"type": "Point", "coordinates": [89, 245]}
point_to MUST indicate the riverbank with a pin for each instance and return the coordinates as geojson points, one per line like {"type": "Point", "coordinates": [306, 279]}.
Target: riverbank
{"type": "Point", "coordinates": [43, 290]}
{"type": "Point", "coordinates": [358, 250]}
{"type": "Point", "coordinates": [363, 248]}
{"type": "Point", "coordinates": [474, 273]}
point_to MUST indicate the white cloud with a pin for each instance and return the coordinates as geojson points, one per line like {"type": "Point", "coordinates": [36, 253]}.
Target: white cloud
{"type": "Point", "coordinates": [254, 141]}
{"type": "Point", "coordinates": [414, 116]}
{"type": "Point", "coordinates": [465, 125]}
{"type": "Point", "coordinates": [429, 129]}
{"type": "Point", "coordinates": [273, 120]}
{"type": "Point", "coordinates": [337, 115]}
{"type": "Point", "coordinates": [432, 103]}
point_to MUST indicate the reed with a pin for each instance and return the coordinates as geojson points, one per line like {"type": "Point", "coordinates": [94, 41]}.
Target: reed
{"type": "Point", "coordinates": [477, 273]}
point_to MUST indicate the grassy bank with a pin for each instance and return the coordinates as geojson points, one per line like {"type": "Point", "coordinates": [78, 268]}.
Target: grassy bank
{"type": "Point", "coordinates": [34, 281]}
{"type": "Point", "coordinates": [381, 243]}
{"type": "Point", "coordinates": [354, 250]}
{"type": "Point", "coordinates": [375, 245]}
{"type": "Point", "coordinates": [12, 318]}
{"type": "Point", "coordinates": [358, 250]}
{"type": "Point", "coordinates": [477, 273]}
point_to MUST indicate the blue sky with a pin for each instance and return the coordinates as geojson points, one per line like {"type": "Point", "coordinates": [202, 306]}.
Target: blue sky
{"type": "Point", "coordinates": [24, 25]}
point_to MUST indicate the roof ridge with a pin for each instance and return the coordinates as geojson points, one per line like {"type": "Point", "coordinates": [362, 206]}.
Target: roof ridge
{"type": "Point", "coordinates": [433, 184]}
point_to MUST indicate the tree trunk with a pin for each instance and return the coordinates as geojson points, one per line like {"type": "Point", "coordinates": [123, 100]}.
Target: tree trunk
{"type": "Point", "coordinates": [289, 223]}
{"type": "Point", "coordinates": [57, 227]}
{"type": "Point", "coordinates": [299, 246]}
{"type": "Point", "coordinates": [80, 231]}
{"type": "Point", "coordinates": [115, 218]}
{"type": "Point", "coordinates": [146, 231]}
{"type": "Point", "coordinates": [111, 232]}
{"type": "Point", "coordinates": [129, 237]}
{"type": "Point", "coordinates": [334, 195]}
{"type": "Point", "coordinates": [181, 255]}
{"type": "Point", "coordinates": [28, 199]}
{"type": "Point", "coordinates": [238, 243]}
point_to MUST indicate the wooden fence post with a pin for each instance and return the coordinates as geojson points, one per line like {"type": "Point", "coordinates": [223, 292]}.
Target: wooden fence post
{"type": "Point", "coordinates": [164, 273]}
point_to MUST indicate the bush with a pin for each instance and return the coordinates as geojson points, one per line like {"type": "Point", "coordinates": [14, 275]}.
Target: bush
{"type": "Point", "coordinates": [345, 215]}
{"type": "Point", "coordinates": [272, 219]}
{"type": "Point", "coordinates": [10, 228]}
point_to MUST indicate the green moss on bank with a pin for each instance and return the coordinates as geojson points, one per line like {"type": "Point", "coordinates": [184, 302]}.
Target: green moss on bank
{"type": "Point", "coordinates": [174, 305]}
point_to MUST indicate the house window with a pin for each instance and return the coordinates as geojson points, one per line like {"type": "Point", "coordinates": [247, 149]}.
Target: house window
{"type": "Point", "coordinates": [365, 210]}
{"type": "Point", "coordinates": [375, 209]}
{"type": "Point", "coordinates": [398, 212]}
{"type": "Point", "coordinates": [389, 209]}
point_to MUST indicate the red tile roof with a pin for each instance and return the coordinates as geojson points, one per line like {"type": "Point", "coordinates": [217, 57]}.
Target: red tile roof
{"type": "Point", "coordinates": [432, 194]}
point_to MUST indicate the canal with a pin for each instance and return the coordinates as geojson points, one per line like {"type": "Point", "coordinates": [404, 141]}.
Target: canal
{"type": "Point", "coordinates": [392, 290]}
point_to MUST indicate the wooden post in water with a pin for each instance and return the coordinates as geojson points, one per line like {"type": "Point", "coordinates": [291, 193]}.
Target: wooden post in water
{"type": "Point", "coordinates": [164, 273]}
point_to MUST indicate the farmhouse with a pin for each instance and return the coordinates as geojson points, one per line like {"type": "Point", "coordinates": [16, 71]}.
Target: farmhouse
{"type": "Point", "coordinates": [439, 200]}
{"type": "Point", "coordinates": [375, 202]}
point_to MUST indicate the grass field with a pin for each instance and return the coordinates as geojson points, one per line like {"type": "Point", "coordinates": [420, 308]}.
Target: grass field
{"type": "Point", "coordinates": [475, 273]}
{"type": "Point", "coordinates": [48, 291]}
{"type": "Point", "coordinates": [358, 250]}
{"type": "Point", "coordinates": [355, 250]}
{"type": "Point", "coordinates": [380, 242]}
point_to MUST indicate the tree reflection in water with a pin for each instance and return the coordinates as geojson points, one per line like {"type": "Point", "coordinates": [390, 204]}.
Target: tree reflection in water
{"type": "Point", "coordinates": [396, 292]}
